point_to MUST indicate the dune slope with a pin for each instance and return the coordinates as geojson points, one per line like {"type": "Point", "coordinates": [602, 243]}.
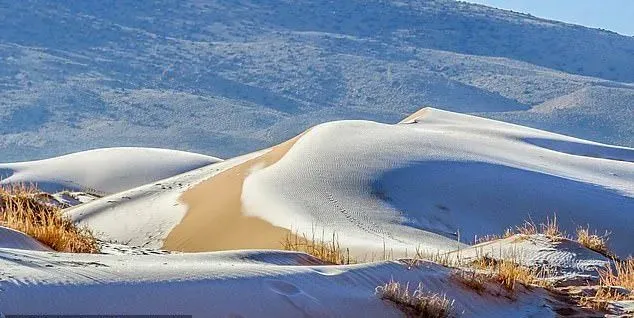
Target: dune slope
{"type": "Point", "coordinates": [103, 171]}
{"type": "Point", "coordinates": [442, 177]}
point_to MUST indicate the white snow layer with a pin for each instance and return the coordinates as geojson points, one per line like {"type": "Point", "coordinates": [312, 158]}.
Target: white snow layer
{"type": "Point", "coordinates": [439, 178]}
{"type": "Point", "coordinates": [230, 284]}
{"type": "Point", "coordinates": [10, 238]}
{"type": "Point", "coordinates": [103, 171]}
{"type": "Point", "coordinates": [144, 216]}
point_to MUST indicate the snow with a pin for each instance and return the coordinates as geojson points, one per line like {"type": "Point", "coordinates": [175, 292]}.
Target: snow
{"type": "Point", "coordinates": [143, 216]}
{"type": "Point", "coordinates": [439, 178]}
{"type": "Point", "coordinates": [13, 239]}
{"type": "Point", "coordinates": [103, 171]}
{"type": "Point", "coordinates": [561, 260]}
{"type": "Point", "coordinates": [235, 283]}
{"type": "Point", "coordinates": [432, 182]}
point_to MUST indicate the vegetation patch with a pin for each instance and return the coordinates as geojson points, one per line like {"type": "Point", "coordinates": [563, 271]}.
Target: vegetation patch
{"type": "Point", "coordinates": [593, 241]}
{"type": "Point", "coordinates": [326, 250]}
{"type": "Point", "coordinates": [25, 209]}
{"type": "Point", "coordinates": [418, 303]}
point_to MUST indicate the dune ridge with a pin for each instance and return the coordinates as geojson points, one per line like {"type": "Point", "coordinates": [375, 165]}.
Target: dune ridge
{"type": "Point", "coordinates": [214, 219]}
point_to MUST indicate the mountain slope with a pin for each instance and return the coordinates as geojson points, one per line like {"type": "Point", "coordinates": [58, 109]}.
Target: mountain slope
{"type": "Point", "coordinates": [230, 76]}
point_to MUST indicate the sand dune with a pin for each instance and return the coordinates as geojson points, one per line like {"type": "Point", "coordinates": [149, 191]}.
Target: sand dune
{"type": "Point", "coordinates": [440, 178]}
{"type": "Point", "coordinates": [103, 171]}
{"type": "Point", "coordinates": [432, 182]}
{"type": "Point", "coordinates": [144, 216]}
{"type": "Point", "coordinates": [435, 181]}
{"type": "Point", "coordinates": [214, 219]}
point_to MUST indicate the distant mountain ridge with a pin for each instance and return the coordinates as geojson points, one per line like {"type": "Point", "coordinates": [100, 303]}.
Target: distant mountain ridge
{"type": "Point", "coordinates": [228, 77]}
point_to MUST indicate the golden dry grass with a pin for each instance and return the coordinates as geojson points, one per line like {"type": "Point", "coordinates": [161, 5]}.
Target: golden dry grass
{"type": "Point", "coordinates": [509, 273]}
{"type": "Point", "coordinates": [24, 208]}
{"type": "Point", "coordinates": [328, 251]}
{"type": "Point", "coordinates": [622, 275]}
{"type": "Point", "coordinates": [471, 279]}
{"type": "Point", "coordinates": [550, 228]}
{"type": "Point", "coordinates": [593, 241]}
{"type": "Point", "coordinates": [492, 237]}
{"type": "Point", "coordinates": [614, 285]}
{"type": "Point", "coordinates": [418, 303]}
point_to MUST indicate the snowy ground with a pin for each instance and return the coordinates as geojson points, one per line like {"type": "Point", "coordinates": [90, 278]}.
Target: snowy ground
{"type": "Point", "coordinates": [231, 284]}
{"type": "Point", "coordinates": [563, 261]}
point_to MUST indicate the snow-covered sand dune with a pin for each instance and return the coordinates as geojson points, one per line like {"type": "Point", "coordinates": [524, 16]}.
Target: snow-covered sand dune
{"type": "Point", "coordinates": [562, 261]}
{"type": "Point", "coordinates": [434, 181]}
{"type": "Point", "coordinates": [439, 177]}
{"type": "Point", "coordinates": [143, 216]}
{"type": "Point", "coordinates": [103, 171]}
{"type": "Point", "coordinates": [233, 284]}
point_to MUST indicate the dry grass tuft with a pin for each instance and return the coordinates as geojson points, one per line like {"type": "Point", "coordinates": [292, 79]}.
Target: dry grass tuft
{"type": "Point", "coordinates": [437, 257]}
{"type": "Point", "coordinates": [614, 285]}
{"type": "Point", "coordinates": [493, 237]}
{"type": "Point", "coordinates": [622, 275]}
{"type": "Point", "coordinates": [550, 228]}
{"type": "Point", "coordinates": [24, 208]}
{"type": "Point", "coordinates": [509, 273]}
{"type": "Point", "coordinates": [419, 303]}
{"type": "Point", "coordinates": [527, 228]}
{"type": "Point", "coordinates": [471, 279]}
{"type": "Point", "coordinates": [593, 241]}
{"type": "Point", "coordinates": [325, 250]}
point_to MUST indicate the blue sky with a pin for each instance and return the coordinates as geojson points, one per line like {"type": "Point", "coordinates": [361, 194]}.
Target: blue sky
{"type": "Point", "coordinates": [613, 15]}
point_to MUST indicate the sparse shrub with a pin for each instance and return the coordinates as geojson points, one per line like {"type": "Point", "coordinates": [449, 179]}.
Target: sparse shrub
{"type": "Point", "coordinates": [327, 251]}
{"type": "Point", "coordinates": [550, 228]}
{"type": "Point", "coordinates": [492, 237]}
{"type": "Point", "coordinates": [527, 228]}
{"type": "Point", "coordinates": [593, 241]}
{"type": "Point", "coordinates": [25, 209]}
{"type": "Point", "coordinates": [443, 259]}
{"type": "Point", "coordinates": [419, 303]}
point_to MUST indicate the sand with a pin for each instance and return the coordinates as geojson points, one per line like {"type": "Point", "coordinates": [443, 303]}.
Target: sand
{"type": "Point", "coordinates": [214, 220]}
{"type": "Point", "coordinates": [412, 118]}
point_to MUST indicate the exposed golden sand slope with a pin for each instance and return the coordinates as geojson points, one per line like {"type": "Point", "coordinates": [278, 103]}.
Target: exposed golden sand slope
{"type": "Point", "coordinates": [411, 118]}
{"type": "Point", "coordinates": [214, 219]}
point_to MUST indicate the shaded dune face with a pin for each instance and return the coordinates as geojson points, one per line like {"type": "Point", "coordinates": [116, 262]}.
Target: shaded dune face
{"type": "Point", "coordinates": [214, 219]}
